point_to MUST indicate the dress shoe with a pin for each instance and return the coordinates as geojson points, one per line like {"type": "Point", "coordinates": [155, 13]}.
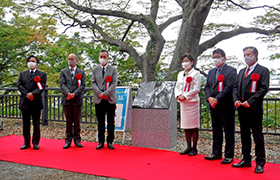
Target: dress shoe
{"type": "Point", "coordinates": [242, 164]}
{"type": "Point", "coordinates": [25, 146]}
{"type": "Point", "coordinates": [193, 152]}
{"type": "Point", "coordinates": [79, 145]}
{"type": "Point", "coordinates": [100, 145]}
{"type": "Point", "coordinates": [213, 157]}
{"type": "Point", "coordinates": [67, 145]}
{"type": "Point", "coordinates": [227, 161]}
{"type": "Point", "coordinates": [110, 145]}
{"type": "Point", "coordinates": [36, 147]}
{"type": "Point", "coordinates": [259, 169]}
{"type": "Point", "coordinates": [187, 151]}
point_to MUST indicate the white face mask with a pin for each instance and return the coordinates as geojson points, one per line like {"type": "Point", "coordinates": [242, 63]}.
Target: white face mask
{"type": "Point", "coordinates": [186, 65]}
{"type": "Point", "coordinates": [218, 61]}
{"type": "Point", "coordinates": [103, 62]}
{"type": "Point", "coordinates": [249, 59]}
{"type": "Point", "coordinates": [31, 65]}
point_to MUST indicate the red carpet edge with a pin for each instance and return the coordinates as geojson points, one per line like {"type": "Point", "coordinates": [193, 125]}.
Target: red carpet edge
{"type": "Point", "coordinates": [126, 162]}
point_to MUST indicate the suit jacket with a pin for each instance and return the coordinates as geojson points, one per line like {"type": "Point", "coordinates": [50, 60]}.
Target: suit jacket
{"type": "Point", "coordinates": [68, 85]}
{"type": "Point", "coordinates": [192, 95]}
{"type": "Point", "coordinates": [255, 99]}
{"type": "Point", "coordinates": [225, 96]}
{"type": "Point", "coordinates": [26, 84]}
{"type": "Point", "coordinates": [98, 84]}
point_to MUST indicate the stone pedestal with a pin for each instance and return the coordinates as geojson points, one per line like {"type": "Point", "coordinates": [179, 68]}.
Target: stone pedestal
{"type": "Point", "coordinates": [156, 124]}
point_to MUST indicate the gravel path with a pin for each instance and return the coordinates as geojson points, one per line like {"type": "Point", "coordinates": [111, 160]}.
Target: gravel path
{"type": "Point", "coordinates": [13, 171]}
{"type": "Point", "coordinates": [56, 130]}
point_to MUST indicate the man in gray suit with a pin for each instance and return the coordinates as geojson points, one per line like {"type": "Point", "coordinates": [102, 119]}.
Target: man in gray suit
{"type": "Point", "coordinates": [104, 81]}
{"type": "Point", "coordinates": [72, 83]}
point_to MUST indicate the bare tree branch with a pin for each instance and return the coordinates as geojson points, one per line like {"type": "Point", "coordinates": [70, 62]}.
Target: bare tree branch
{"type": "Point", "coordinates": [126, 5]}
{"type": "Point", "coordinates": [201, 72]}
{"type": "Point", "coordinates": [180, 2]}
{"type": "Point", "coordinates": [154, 9]}
{"type": "Point", "coordinates": [147, 61]}
{"type": "Point", "coordinates": [169, 21]}
{"type": "Point", "coordinates": [226, 35]}
{"type": "Point", "coordinates": [256, 7]}
{"type": "Point", "coordinates": [69, 26]}
{"type": "Point", "coordinates": [127, 30]}
{"type": "Point", "coordinates": [134, 17]}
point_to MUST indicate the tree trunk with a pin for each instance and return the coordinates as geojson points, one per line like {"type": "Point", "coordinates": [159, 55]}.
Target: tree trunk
{"type": "Point", "coordinates": [148, 61]}
{"type": "Point", "coordinates": [195, 13]}
{"type": "Point", "coordinates": [153, 51]}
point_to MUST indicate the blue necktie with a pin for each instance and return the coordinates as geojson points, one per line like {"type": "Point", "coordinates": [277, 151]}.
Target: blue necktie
{"type": "Point", "coordinates": [218, 73]}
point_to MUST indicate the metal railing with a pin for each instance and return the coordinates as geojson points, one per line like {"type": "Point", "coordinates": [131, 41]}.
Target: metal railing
{"type": "Point", "coordinates": [53, 109]}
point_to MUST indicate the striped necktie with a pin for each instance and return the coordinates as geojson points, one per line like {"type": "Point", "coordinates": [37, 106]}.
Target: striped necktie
{"type": "Point", "coordinates": [72, 73]}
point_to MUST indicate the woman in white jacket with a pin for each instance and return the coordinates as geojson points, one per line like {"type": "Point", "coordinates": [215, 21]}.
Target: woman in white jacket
{"type": "Point", "coordinates": [186, 92]}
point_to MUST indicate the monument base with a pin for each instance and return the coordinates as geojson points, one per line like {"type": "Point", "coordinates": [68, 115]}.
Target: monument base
{"type": "Point", "coordinates": [155, 127]}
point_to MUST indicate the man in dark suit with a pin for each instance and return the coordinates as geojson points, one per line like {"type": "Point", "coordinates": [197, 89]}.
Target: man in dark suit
{"type": "Point", "coordinates": [104, 81]}
{"type": "Point", "coordinates": [72, 83]}
{"type": "Point", "coordinates": [30, 102]}
{"type": "Point", "coordinates": [218, 90]}
{"type": "Point", "coordinates": [251, 87]}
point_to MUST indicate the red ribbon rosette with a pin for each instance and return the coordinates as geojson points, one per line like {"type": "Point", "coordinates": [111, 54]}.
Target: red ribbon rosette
{"type": "Point", "coordinates": [108, 79]}
{"type": "Point", "coordinates": [37, 79]}
{"type": "Point", "coordinates": [188, 84]}
{"type": "Point", "coordinates": [254, 77]}
{"type": "Point", "coordinates": [79, 77]}
{"type": "Point", "coordinates": [221, 78]}
{"type": "Point", "coordinates": [189, 79]}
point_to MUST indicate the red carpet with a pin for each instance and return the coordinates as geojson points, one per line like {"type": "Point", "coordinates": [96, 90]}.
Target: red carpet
{"type": "Point", "coordinates": [127, 162]}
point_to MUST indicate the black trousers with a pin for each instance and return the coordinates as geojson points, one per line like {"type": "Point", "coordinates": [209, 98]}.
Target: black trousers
{"type": "Point", "coordinates": [101, 109]}
{"type": "Point", "coordinates": [223, 120]}
{"type": "Point", "coordinates": [73, 114]}
{"type": "Point", "coordinates": [26, 117]}
{"type": "Point", "coordinates": [250, 120]}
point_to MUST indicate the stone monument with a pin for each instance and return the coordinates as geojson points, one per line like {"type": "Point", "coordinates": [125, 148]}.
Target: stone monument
{"type": "Point", "coordinates": [154, 115]}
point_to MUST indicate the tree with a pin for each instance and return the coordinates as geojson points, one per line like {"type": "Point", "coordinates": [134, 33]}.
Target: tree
{"type": "Point", "coordinates": [23, 35]}
{"type": "Point", "coordinates": [113, 22]}
{"type": "Point", "coordinates": [20, 37]}
{"type": "Point", "coordinates": [56, 54]}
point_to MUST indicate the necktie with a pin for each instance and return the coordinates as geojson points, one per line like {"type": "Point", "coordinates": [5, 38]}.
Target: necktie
{"type": "Point", "coordinates": [103, 72]}
{"type": "Point", "coordinates": [31, 74]}
{"type": "Point", "coordinates": [247, 72]}
{"type": "Point", "coordinates": [218, 73]}
{"type": "Point", "coordinates": [72, 73]}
